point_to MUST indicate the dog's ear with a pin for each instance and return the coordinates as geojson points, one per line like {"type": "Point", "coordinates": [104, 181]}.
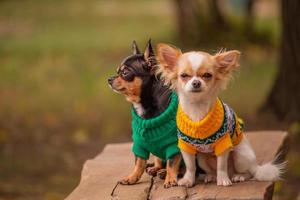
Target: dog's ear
{"type": "Point", "coordinates": [135, 48]}
{"type": "Point", "coordinates": [149, 57]}
{"type": "Point", "coordinates": [227, 61]}
{"type": "Point", "coordinates": [149, 51]}
{"type": "Point", "coordinates": [168, 56]}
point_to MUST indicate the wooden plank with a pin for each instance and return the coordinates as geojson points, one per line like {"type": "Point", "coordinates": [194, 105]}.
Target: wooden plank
{"type": "Point", "coordinates": [158, 191]}
{"type": "Point", "coordinates": [241, 191]}
{"type": "Point", "coordinates": [100, 175]}
{"type": "Point", "coordinates": [137, 192]}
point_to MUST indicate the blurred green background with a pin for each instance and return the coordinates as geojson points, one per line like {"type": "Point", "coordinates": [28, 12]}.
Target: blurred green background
{"type": "Point", "coordinates": [56, 109]}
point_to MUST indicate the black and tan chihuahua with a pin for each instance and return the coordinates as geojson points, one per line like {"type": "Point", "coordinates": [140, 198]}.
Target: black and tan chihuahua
{"type": "Point", "coordinates": [136, 79]}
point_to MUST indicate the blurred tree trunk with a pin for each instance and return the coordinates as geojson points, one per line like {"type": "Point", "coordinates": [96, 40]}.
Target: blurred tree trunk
{"type": "Point", "coordinates": [194, 22]}
{"type": "Point", "coordinates": [284, 99]}
{"type": "Point", "coordinates": [218, 19]}
{"type": "Point", "coordinates": [188, 14]}
{"type": "Point", "coordinates": [249, 19]}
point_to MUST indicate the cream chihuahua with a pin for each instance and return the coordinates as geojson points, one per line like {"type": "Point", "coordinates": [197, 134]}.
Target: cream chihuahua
{"type": "Point", "coordinates": [207, 126]}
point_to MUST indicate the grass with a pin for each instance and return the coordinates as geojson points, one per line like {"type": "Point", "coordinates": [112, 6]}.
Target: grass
{"type": "Point", "coordinates": [56, 110]}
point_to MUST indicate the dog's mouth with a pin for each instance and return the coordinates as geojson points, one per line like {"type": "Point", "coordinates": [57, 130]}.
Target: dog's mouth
{"type": "Point", "coordinates": [121, 89]}
{"type": "Point", "coordinates": [196, 90]}
{"type": "Point", "coordinates": [118, 90]}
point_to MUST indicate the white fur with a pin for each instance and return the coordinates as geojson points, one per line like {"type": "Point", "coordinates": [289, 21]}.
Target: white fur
{"type": "Point", "coordinates": [222, 169]}
{"type": "Point", "coordinates": [188, 179]}
{"type": "Point", "coordinates": [189, 85]}
{"type": "Point", "coordinates": [245, 161]}
{"type": "Point", "coordinates": [139, 109]}
{"type": "Point", "coordinates": [267, 172]}
{"type": "Point", "coordinates": [244, 157]}
{"type": "Point", "coordinates": [195, 108]}
{"type": "Point", "coordinates": [196, 60]}
{"type": "Point", "coordinates": [210, 175]}
{"type": "Point", "coordinates": [201, 159]}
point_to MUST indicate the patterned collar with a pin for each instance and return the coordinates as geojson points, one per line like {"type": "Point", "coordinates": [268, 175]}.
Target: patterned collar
{"type": "Point", "coordinates": [219, 121]}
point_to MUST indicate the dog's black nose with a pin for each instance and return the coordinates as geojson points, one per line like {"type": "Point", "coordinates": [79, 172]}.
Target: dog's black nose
{"type": "Point", "coordinates": [196, 84]}
{"type": "Point", "coordinates": [110, 80]}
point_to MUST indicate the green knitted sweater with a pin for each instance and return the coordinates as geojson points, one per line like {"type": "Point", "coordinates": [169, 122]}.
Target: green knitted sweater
{"type": "Point", "coordinates": [157, 135]}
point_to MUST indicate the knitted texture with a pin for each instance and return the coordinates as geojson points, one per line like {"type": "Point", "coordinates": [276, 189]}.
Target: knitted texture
{"type": "Point", "coordinates": [156, 135]}
{"type": "Point", "coordinates": [218, 131]}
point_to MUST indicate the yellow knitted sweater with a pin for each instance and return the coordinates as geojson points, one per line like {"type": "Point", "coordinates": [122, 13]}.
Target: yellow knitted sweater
{"type": "Point", "coordinates": [219, 130]}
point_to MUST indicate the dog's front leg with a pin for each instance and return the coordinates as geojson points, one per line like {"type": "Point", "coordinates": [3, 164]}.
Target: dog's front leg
{"type": "Point", "coordinates": [205, 162]}
{"type": "Point", "coordinates": [140, 165]}
{"type": "Point", "coordinates": [173, 165]}
{"type": "Point", "coordinates": [188, 179]}
{"type": "Point", "coordinates": [158, 165]}
{"type": "Point", "coordinates": [222, 169]}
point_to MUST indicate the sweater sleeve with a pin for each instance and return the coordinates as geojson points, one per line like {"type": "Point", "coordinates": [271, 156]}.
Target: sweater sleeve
{"type": "Point", "coordinates": [139, 151]}
{"type": "Point", "coordinates": [223, 144]}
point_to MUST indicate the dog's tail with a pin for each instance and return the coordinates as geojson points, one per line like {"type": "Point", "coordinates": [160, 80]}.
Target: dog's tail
{"type": "Point", "coordinates": [269, 171]}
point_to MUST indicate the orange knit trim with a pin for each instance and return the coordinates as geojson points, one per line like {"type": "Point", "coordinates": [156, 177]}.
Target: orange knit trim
{"type": "Point", "coordinates": [205, 127]}
{"type": "Point", "coordinates": [187, 147]}
{"type": "Point", "coordinates": [222, 144]}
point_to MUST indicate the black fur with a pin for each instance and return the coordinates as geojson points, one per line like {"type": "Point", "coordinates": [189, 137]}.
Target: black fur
{"type": "Point", "coordinates": [155, 96]}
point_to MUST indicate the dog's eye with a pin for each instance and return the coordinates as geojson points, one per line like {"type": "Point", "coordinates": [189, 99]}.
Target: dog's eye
{"type": "Point", "coordinates": [207, 75]}
{"type": "Point", "coordinates": [184, 75]}
{"type": "Point", "coordinates": [124, 73]}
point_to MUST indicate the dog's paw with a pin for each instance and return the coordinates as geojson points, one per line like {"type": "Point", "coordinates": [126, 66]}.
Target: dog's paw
{"type": "Point", "coordinates": [238, 178]}
{"type": "Point", "coordinates": [210, 178]}
{"type": "Point", "coordinates": [162, 173]}
{"type": "Point", "coordinates": [152, 171]}
{"type": "Point", "coordinates": [170, 181]}
{"type": "Point", "coordinates": [187, 182]}
{"type": "Point", "coordinates": [223, 180]}
{"type": "Point", "coordinates": [129, 180]}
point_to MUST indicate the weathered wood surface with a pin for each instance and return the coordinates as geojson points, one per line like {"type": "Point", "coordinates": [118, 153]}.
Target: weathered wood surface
{"type": "Point", "coordinates": [100, 175]}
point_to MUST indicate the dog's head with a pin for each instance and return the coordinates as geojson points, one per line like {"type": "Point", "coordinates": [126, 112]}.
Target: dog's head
{"type": "Point", "coordinates": [196, 73]}
{"type": "Point", "coordinates": [134, 73]}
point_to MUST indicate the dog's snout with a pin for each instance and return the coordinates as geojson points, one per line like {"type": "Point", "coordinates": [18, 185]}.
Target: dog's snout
{"type": "Point", "coordinates": [196, 84]}
{"type": "Point", "coordinates": [110, 80]}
